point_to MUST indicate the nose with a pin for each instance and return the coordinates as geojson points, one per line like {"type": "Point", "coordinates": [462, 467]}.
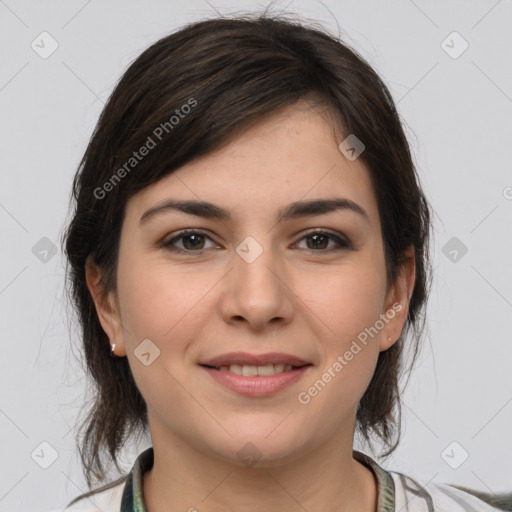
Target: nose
{"type": "Point", "coordinates": [258, 292]}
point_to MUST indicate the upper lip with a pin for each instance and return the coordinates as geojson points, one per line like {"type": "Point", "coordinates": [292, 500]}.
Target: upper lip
{"type": "Point", "coordinates": [244, 358]}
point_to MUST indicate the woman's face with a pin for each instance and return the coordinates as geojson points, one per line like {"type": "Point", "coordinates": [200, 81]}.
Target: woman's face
{"type": "Point", "coordinates": [258, 284]}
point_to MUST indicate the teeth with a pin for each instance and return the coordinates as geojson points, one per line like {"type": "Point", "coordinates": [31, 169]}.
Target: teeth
{"type": "Point", "coordinates": [266, 370]}
{"type": "Point", "coordinates": [250, 371]}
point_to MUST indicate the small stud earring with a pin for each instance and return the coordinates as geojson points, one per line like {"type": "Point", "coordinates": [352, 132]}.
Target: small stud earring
{"type": "Point", "coordinates": [112, 349]}
{"type": "Point", "coordinates": [389, 340]}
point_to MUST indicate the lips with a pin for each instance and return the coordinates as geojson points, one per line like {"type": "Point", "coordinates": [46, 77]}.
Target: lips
{"type": "Point", "coordinates": [244, 381]}
{"type": "Point", "coordinates": [246, 359]}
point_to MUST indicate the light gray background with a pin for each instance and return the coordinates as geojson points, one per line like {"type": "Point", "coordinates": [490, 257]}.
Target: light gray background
{"type": "Point", "coordinates": [458, 113]}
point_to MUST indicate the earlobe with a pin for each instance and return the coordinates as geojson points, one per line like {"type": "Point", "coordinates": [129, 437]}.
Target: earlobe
{"type": "Point", "coordinates": [105, 307]}
{"type": "Point", "coordinates": [397, 303]}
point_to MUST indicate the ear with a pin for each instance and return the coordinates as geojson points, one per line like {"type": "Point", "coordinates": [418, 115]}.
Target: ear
{"type": "Point", "coordinates": [397, 300]}
{"type": "Point", "coordinates": [106, 309]}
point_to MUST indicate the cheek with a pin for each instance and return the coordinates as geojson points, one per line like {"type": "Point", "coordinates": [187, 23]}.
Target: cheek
{"type": "Point", "coordinates": [348, 303]}
{"type": "Point", "coordinates": [349, 308]}
{"type": "Point", "coordinates": [158, 305]}
{"type": "Point", "coordinates": [346, 300]}
{"type": "Point", "coordinates": [152, 298]}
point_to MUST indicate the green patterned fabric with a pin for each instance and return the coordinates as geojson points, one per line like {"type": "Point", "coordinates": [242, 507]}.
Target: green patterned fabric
{"type": "Point", "coordinates": [132, 500]}
{"type": "Point", "coordinates": [385, 485]}
{"type": "Point", "coordinates": [396, 492]}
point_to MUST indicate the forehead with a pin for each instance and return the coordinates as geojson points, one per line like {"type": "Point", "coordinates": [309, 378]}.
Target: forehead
{"type": "Point", "coordinates": [288, 156]}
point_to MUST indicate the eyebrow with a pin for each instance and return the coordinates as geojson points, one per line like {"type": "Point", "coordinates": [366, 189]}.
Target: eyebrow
{"type": "Point", "coordinates": [294, 210]}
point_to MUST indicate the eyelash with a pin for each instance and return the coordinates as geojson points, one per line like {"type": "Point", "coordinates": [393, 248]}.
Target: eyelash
{"type": "Point", "coordinates": [343, 243]}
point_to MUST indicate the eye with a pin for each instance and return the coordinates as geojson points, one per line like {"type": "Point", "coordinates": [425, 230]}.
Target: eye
{"type": "Point", "coordinates": [194, 241]}
{"type": "Point", "coordinates": [321, 237]}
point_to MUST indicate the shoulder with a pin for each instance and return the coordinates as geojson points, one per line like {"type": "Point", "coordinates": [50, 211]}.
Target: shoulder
{"type": "Point", "coordinates": [411, 496]}
{"type": "Point", "coordinates": [106, 500]}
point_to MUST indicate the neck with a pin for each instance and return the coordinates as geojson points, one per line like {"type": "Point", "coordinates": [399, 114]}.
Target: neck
{"type": "Point", "coordinates": [185, 479]}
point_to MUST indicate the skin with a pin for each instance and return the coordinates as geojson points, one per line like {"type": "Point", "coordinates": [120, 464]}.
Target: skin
{"type": "Point", "coordinates": [294, 298]}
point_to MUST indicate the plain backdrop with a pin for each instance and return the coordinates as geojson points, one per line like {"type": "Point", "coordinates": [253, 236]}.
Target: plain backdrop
{"type": "Point", "coordinates": [454, 93]}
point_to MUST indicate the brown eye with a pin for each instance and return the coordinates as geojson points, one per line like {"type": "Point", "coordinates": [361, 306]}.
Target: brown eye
{"type": "Point", "coordinates": [191, 241]}
{"type": "Point", "coordinates": [320, 241]}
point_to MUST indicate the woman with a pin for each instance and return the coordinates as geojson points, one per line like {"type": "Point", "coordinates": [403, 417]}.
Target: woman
{"type": "Point", "coordinates": [249, 244]}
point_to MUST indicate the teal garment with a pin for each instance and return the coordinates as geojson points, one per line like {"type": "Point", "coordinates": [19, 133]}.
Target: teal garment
{"type": "Point", "coordinates": [132, 499]}
{"type": "Point", "coordinates": [396, 492]}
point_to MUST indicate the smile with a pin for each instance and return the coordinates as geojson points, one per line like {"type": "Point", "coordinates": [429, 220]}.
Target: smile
{"type": "Point", "coordinates": [256, 381]}
{"type": "Point", "coordinates": [251, 371]}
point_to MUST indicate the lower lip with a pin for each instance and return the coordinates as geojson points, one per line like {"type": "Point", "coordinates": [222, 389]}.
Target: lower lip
{"type": "Point", "coordinates": [257, 385]}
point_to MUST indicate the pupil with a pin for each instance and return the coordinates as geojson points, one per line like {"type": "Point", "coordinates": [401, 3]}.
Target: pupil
{"type": "Point", "coordinates": [316, 238]}
{"type": "Point", "coordinates": [189, 237]}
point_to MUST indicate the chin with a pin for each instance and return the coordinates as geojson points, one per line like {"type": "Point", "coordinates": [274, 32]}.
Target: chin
{"type": "Point", "coordinates": [263, 448]}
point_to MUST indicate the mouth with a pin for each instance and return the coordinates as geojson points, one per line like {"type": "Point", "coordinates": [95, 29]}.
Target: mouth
{"type": "Point", "coordinates": [267, 370]}
{"type": "Point", "coordinates": [256, 375]}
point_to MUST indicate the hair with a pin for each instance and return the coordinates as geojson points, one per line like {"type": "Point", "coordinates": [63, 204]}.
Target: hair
{"type": "Point", "coordinates": [231, 73]}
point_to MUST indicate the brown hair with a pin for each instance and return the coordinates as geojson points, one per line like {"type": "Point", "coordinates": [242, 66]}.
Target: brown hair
{"type": "Point", "coordinates": [233, 72]}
